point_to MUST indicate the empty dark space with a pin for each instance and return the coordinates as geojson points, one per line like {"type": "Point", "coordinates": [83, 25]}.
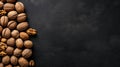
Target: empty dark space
{"type": "Point", "coordinates": [75, 33]}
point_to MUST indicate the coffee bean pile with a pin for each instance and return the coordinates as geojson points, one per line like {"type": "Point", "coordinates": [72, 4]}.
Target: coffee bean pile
{"type": "Point", "coordinates": [15, 32]}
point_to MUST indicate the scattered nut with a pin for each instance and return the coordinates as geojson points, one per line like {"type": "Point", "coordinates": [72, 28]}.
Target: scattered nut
{"type": "Point", "coordinates": [15, 33]}
{"type": "Point", "coordinates": [27, 53]}
{"type": "Point", "coordinates": [23, 62]}
{"type": "Point", "coordinates": [19, 43]}
{"type": "Point", "coordinates": [21, 17]}
{"type": "Point", "coordinates": [28, 44]}
{"type": "Point", "coordinates": [22, 26]}
{"type": "Point", "coordinates": [19, 7]}
{"type": "Point", "coordinates": [5, 59]}
{"type": "Point", "coordinates": [9, 50]}
{"type": "Point", "coordinates": [4, 21]}
{"type": "Point", "coordinates": [17, 52]}
{"type": "Point", "coordinates": [24, 36]}
{"type": "Point", "coordinates": [6, 33]}
{"type": "Point", "coordinates": [14, 60]}
{"type": "Point", "coordinates": [9, 7]}
{"type": "Point", "coordinates": [11, 41]}
{"type": "Point", "coordinates": [31, 31]}
{"type": "Point", "coordinates": [12, 24]}
{"type": "Point", "coordinates": [12, 15]}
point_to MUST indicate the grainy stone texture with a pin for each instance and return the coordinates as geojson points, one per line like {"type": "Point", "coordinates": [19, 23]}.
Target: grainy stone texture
{"type": "Point", "coordinates": [75, 33]}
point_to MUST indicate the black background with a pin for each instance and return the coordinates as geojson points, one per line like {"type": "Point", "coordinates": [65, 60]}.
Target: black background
{"type": "Point", "coordinates": [75, 33]}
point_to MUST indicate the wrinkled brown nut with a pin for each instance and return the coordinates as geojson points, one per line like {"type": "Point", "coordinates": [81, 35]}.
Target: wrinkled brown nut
{"type": "Point", "coordinates": [1, 65]}
{"type": "Point", "coordinates": [21, 17]}
{"type": "Point", "coordinates": [11, 1]}
{"type": "Point", "coordinates": [19, 43]}
{"type": "Point", "coordinates": [5, 59]}
{"type": "Point", "coordinates": [17, 52]}
{"type": "Point", "coordinates": [32, 63]}
{"type": "Point", "coordinates": [19, 6]}
{"type": "Point", "coordinates": [12, 24]}
{"type": "Point", "coordinates": [28, 44]}
{"type": "Point", "coordinates": [6, 33]}
{"type": "Point", "coordinates": [12, 15]}
{"type": "Point", "coordinates": [31, 31]}
{"type": "Point", "coordinates": [14, 60]}
{"type": "Point", "coordinates": [2, 12]}
{"type": "Point", "coordinates": [27, 53]}
{"type": "Point", "coordinates": [22, 26]}
{"type": "Point", "coordinates": [1, 28]}
{"type": "Point", "coordinates": [11, 41]}
{"type": "Point", "coordinates": [4, 21]}
{"type": "Point", "coordinates": [9, 7]}
{"type": "Point", "coordinates": [15, 33]}
{"type": "Point", "coordinates": [3, 40]}
{"type": "Point", "coordinates": [1, 4]}
{"type": "Point", "coordinates": [9, 50]}
{"type": "Point", "coordinates": [3, 46]}
{"type": "Point", "coordinates": [2, 53]}
{"type": "Point", "coordinates": [8, 65]}
{"type": "Point", "coordinates": [23, 62]}
{"type": "Point", "coordinates": [24, 36]}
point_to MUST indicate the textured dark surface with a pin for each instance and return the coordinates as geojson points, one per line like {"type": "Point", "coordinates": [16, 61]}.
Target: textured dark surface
{"type": "Point", "coordinates": [75, 33]}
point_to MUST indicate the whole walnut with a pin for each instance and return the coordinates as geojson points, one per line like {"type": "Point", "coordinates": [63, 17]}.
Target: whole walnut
{"type": "Point", "coordinates": [22, 26]}
{"type": "Point", "coordinates": [14, 60]}
{"type": "Point", "coordinates": [15, 34]}
{"type": "Point", "coordinates": [28, 43]}
{"type": "Point", "coordinates": [8, 7]}
{"type": "Point", "coordinates": [24, 36]}
{"type": "Point", "coordinates": [5, 59]}
{"type": "Point", "coordinates": [27, 53]}
{"type": "Point", "coordinates": [21, 17]}
{"type": "Point", "coordinates": [12, 24]}
{"type": "Point", "coordinates": [6, 33]}
{"type": "Point", "coordinates": [4, 21]}
{"type": "Point", "coordinates": [12, 15]}
{"type": "Point", "coordinates": [23, 62]}
{"type": "Point", "coordinates": [11, 41]}
{"type": "Point", "coordinates": [17, 52]}
{"type": "Point", "coordinates": [19, 43]}
{"type": "Point", "coordinates": [9, 50]}
{"type": "Point", "coordinates": [19, 6]}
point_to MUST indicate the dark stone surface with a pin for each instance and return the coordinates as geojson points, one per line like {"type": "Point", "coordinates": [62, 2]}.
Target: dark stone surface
{"type": "Point", "coordinates": [75, 33]}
